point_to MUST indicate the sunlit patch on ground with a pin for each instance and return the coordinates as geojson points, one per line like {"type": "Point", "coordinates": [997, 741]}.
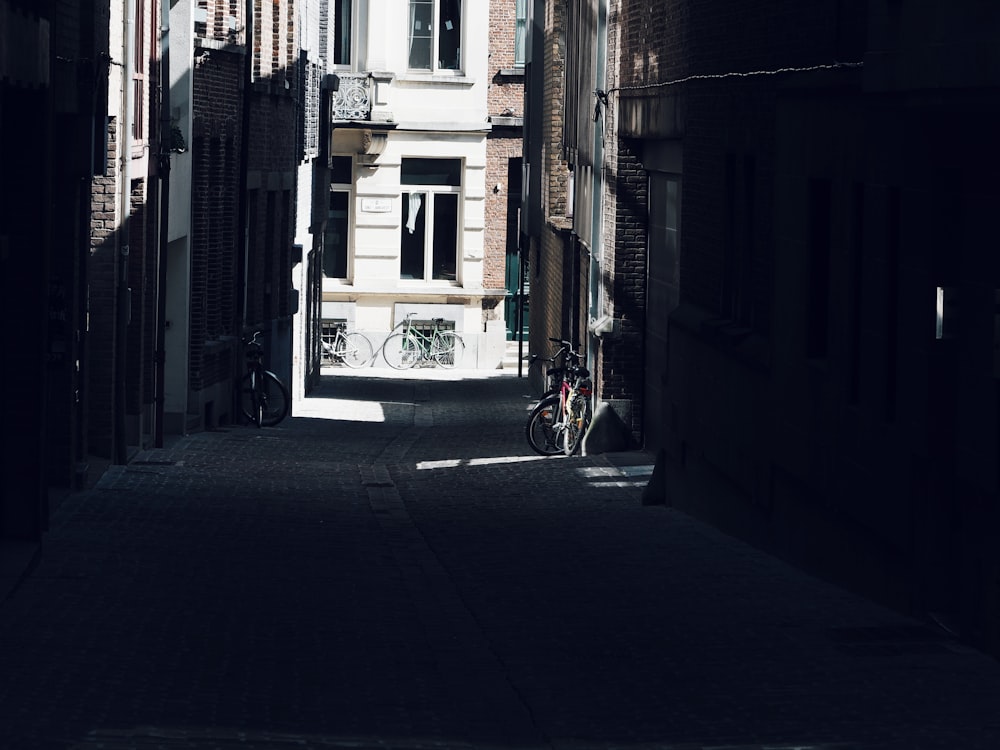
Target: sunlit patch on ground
{"type": "Point", "coordinates": [620, 476]}
{"type": "Point", "coordinates": [454, 463]}
{"type": "Point", "coordinates": [341, 409]}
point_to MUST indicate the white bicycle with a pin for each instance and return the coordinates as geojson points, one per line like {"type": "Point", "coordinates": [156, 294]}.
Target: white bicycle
{"type": "Point", "coordinates": [350, 348]}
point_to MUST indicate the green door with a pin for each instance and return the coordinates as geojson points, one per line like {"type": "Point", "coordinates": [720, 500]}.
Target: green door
{"type": "Point", "coordinates": [514, 298]}
{"type": "Point", "coordinates": [517, 297]}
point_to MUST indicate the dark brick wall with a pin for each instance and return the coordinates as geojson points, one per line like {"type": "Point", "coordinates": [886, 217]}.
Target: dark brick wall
{"type": "Point", "coordinates": [620, 358]}
{"type": "Point", "coordinates": [551, 254]}
{"type": "Point", "coordinates": [805, 386]}
{"type": "Point", "coordinates": [215, 150]}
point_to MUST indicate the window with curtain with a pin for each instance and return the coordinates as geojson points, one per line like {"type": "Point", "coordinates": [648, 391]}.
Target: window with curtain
{"type": "Point", "coordinates": [429, 244]}
{"type": "Point", "coordinates": [435, 35]}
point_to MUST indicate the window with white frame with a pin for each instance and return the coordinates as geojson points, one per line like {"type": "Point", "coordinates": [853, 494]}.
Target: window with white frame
{"type": "Point", "coordinates": [431, 193]}
{"type": "Point", "coordinates": [435, 35]}
{"type": "Point", "coordinates": [343, 32]}
{"type": "Point", "coordinates": [336, 236]}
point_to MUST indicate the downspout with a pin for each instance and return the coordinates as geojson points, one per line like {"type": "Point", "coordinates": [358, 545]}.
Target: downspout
{"type": "Point", "coordinates": [165, 142]}
{"type": "Point", "coordinates": [243, 256]}
{"type": "Point", "coordinates": [596, 306]}
{"type": "Point", "coordinates": [123, 293]}
{"type": "Point", "coordinates": [243, 232]}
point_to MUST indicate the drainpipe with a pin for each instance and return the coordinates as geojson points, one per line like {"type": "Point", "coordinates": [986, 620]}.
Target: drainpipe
{"type": "Point", "coordinates": [596, 306]}
{"type": "Point", "coordinates": [164, 215]}
{"type": "Point", "coordinates": [244, 217]}
{"type": "Point", "coordinates": [123, 293]}
{"type": "Point", "coordinates": [243, 238]}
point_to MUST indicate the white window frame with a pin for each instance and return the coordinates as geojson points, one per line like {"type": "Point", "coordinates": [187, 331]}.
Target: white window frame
{"type": "Point", "coordinates": [428, 202]}
{"type": "Point", "coordinates": [353, 34]}
{"type": "Point", "coordinates": [436, 66]}
{"type": "Point", "coordinates": [428, 206]}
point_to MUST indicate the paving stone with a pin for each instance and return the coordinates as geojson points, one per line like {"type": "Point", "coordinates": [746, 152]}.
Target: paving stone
{"type": "Point", "coordinates": [392, 567]}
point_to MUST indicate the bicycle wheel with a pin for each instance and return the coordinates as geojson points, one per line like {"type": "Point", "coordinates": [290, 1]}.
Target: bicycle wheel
{"type": "Point", "coordinates": [249, 405]}
{"type": "Point", "coordinates": [401, 351]}
{"type": "Point", "coordinates": [447, 348]}
{"type": "Point", "coordinates": [543, 429]}
{"type": "Point", "coordinates": [354, 349]}
{"type": "Point", "coordinates": [577, 422]}
{"type": "Point", "coordinates": [273, 402]}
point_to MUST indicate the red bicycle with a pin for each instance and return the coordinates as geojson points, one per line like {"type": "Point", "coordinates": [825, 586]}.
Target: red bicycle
{"type": "Point", "coordinates": [560, 419]}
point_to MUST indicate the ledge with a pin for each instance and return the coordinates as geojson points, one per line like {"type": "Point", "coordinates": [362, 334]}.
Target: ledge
{"type": "Point", "coordinates": [559, 223]}
{"type": "Point", "coordinates": [436, 79]}
{"type": "Point", "coordinates": [507, 122]}
{"type": "Point", "coordinates": [201, 42]}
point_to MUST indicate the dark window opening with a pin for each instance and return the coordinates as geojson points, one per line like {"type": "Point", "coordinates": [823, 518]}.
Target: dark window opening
{"type": "Point", "coordinates": [335, 238]}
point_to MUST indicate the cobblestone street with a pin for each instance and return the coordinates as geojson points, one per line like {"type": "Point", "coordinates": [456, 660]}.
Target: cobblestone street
{"type": "Point", "coordinates": [393, 568]}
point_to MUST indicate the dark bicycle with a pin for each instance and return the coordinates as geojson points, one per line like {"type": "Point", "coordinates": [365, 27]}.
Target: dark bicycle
{"type": "Point", "coordinates": [263, 397]}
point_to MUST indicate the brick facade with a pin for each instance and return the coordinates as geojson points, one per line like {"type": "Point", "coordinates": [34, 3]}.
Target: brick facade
{"type": "Point", "coordinates": [504, 146]}
{"type": "Point", "coordinates": [237, 286]}
{"type": "Point", "coordinates": [216, 149]}
{"type": "Point", "coordinates": [551, 252]}
{"type": "Point", "coordinates": [804, 384]}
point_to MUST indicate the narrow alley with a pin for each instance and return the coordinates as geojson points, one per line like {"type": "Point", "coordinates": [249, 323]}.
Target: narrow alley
{"type": "Point", "coordinates": [392, 567]}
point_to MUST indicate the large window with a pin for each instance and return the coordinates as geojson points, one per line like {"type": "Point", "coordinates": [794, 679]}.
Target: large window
{"type": "Point", "coordinates": [343, 22]}
{"type": "Point", "coordinates": [435, 35]}
{"type": "Point", "coordinates": [336, 238]}
{"type": "Point", "coordinates": [429, 244]}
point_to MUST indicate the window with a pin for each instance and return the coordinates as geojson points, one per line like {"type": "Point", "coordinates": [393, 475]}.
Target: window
{"type": "Point", "coordinates": [520, 30]}
{"type": "Point", "coordinates": [139, 62]}
{"type": "Point", "coordinates": [429, 233]}
{"type": "Point", "coordinates": [343, 16]}
{"type": "Point", "coordinates": [336, 237]}
{"type": "Point", "coordinates": [435, 35]}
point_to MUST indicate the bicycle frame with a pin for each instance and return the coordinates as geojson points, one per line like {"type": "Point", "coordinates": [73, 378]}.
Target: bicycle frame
{"type": "Point", "coordinates": [267, 397]}
{"type": "Point", "coordinates": [423, 339]}
{"type": "Point", "coordinates": [441, 346]}
{"type": "Point", "coordinates": [569, 392]}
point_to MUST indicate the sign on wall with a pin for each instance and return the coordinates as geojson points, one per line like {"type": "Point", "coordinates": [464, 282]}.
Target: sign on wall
{"type": "Point", "coordinates": [376, 205]}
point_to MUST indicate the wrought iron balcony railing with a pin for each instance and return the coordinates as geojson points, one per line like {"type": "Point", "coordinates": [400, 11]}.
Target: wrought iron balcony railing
{"type": "Point", "coordinates": [352, 100]}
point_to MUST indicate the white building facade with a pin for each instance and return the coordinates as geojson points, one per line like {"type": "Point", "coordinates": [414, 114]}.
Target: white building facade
{"type": "Point", "coordinates": [408, 122]}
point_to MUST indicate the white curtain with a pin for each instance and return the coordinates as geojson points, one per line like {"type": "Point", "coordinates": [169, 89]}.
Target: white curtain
{"type": "Point", "coordinates": [416, 200]}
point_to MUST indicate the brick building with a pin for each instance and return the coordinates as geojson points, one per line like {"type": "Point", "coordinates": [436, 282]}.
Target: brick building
{"type": "Point", "coordinates": [546, 213]}
{"type": "Point", "coordinates": [233, 200]}
{"type": "Point", "coordinates": [504, 168]}
{"type": "Point", "coordinates": [791, 237]}
{"type": "Point", "coordinates": [79, 245]}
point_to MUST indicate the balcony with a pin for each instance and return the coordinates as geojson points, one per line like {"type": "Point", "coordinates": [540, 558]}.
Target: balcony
{"type": "Point", "coordinates": [353, 99]}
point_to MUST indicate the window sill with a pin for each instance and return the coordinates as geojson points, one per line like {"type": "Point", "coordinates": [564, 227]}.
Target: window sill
{"type": "Point", "coordinates": [401, 289]}
{"type": "Point", "coordinates": [437, 79]}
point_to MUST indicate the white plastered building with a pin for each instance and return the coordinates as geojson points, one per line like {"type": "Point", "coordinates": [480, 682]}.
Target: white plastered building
{"type": "Point", "coordinates": [404, 223]}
